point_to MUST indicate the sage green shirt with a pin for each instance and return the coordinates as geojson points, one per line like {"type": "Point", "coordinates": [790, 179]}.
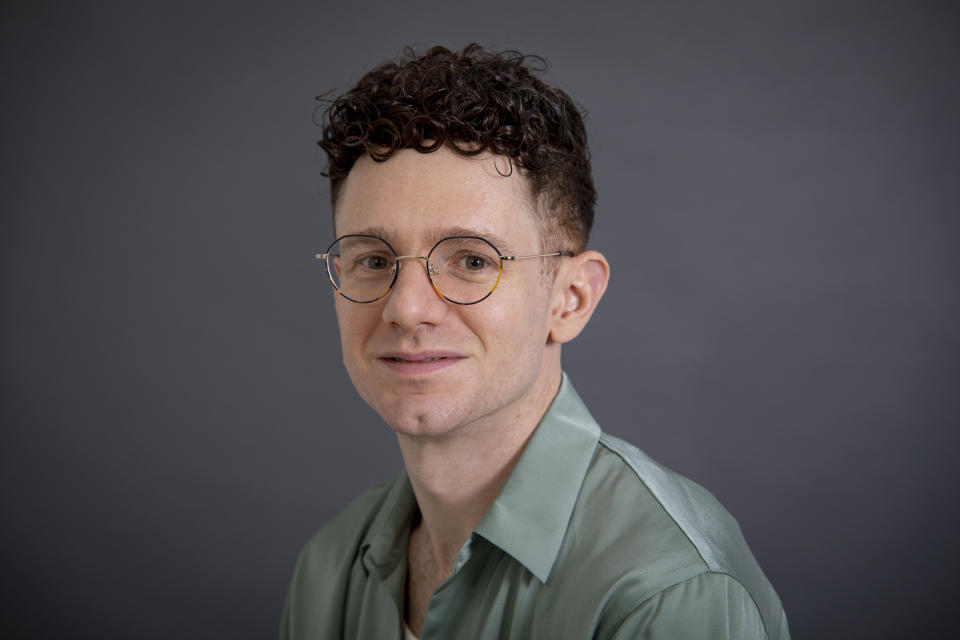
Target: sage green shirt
{"type": "Point", "coordinates": [589, 538]}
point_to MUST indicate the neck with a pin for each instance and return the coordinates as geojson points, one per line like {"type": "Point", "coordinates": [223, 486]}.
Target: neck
{"type": "Point", "coordinates": [456, 479]}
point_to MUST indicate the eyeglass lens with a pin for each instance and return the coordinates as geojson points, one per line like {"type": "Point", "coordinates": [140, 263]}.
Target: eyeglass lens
{"type": "Point", "coordinates": [464, 270]}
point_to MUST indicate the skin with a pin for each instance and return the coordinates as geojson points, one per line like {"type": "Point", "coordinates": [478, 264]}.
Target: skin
{"type": "Point", "coordinates": [461, 421]}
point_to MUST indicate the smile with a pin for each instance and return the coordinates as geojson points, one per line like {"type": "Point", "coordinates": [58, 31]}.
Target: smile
{"type": "Point", "coordinates": [419, 364]}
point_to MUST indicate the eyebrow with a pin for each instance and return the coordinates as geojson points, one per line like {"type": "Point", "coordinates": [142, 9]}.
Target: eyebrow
{"type": "Point", "coordinates": [439, 233]}
{"type": "Point", "coordinates": [369, 231]}
{"type": "Point", "coordinates": [492, 238]}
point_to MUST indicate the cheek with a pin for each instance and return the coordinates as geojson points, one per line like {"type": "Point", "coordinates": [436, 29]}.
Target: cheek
{"type": "Point", "coordinates": [352, 320]}
{"type": "Point", "coordinates": [516, 327]}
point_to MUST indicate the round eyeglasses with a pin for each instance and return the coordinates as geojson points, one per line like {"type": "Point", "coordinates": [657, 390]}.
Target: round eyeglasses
{"type": "Point", "coordinates": [462, 269]}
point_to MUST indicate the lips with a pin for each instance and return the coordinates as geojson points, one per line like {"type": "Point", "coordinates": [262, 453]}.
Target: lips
{"type": "Point", "coordinates": [419, 363]}
{"type": "Point", "coordinates": [419, 356]}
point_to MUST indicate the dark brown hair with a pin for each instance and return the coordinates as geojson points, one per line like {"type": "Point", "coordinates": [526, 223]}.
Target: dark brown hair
{"type": "Point", "coordinates": [472, 101]}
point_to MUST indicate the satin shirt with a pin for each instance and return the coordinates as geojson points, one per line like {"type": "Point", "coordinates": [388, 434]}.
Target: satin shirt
{"type": "Point", "coordinates": [589, 538]}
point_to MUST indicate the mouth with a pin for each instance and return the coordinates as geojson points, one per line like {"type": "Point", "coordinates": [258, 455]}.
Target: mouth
{"type": "Point", "coordinates": [419, 363]}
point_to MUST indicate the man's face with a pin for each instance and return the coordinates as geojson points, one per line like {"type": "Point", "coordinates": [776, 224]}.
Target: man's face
{"type": "Point", "coordinates": [492, 354]}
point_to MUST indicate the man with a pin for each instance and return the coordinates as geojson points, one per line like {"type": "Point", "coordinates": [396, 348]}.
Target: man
{"type": "Point", "coordinates": [462, 201]}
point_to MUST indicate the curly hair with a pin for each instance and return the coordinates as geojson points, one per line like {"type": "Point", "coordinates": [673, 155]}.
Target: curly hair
{"type": "Point", "coordinates": [472, 101]}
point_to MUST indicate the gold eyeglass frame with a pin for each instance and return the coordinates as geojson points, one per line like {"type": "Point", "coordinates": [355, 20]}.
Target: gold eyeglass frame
{"type": "Point", "coordinates": [432, 269]}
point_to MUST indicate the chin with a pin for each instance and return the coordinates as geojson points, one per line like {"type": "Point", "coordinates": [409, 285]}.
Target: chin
{"type": "Point", "coordinates": [408, 409]}
{"type": "Point", "coordinates": [418, 416]}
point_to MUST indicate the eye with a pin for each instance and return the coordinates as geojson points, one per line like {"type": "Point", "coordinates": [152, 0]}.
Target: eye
{"type": "Point", "coordinates": [374, 262]}
{"type": "Point", "coordinates": [473, 262]}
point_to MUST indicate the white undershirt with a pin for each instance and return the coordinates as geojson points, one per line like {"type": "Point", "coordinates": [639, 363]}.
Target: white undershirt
{"type": "Point", "coordinates": [407, 634]}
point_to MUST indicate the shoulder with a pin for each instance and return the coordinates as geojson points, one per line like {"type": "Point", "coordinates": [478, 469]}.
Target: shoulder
{"type": "Point", "coordinates": [317, 592]}
{"type": "Point", "coordinates": [712, 532]}
{"type": "Point", "coordinates": [664, 544]}
{"type": "Point", "coordinates": [337, 542]}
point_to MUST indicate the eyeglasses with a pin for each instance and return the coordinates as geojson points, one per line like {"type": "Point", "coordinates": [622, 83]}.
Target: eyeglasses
{"type": "Point", "coordinates": [462, 269]}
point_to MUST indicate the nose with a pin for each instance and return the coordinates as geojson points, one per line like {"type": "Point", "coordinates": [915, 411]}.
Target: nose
{"type": "Point", "coordinates": [413, 301]}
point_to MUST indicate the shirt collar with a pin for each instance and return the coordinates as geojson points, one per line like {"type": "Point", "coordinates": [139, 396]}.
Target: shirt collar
{"type": "Point", "coordinates": [385, 543]}
{"type": "Point", "coordinates": [529, 518]}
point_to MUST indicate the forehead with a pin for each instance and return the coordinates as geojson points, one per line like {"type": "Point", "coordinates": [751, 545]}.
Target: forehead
{"type": "Point", "coordinates": [414, 196]}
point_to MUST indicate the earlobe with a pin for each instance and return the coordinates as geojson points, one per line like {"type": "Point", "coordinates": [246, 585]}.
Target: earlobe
{"type": "Point", "coordinates": [584, 282]}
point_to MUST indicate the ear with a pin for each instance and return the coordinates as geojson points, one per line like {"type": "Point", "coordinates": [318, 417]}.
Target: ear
{"type": "Point", "coordinates": [577, 291]}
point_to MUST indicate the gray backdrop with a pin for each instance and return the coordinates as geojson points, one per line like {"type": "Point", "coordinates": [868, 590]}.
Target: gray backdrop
{"type": "Point", "coordinates": [778, 198]}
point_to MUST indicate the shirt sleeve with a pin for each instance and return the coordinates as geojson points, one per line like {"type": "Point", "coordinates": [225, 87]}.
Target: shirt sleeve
{"type": "Point", "coordinates": [711, 606]}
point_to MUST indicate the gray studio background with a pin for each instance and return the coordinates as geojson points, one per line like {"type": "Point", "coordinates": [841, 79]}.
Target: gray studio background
{"type": "Point", "coordinates": [778, 198]}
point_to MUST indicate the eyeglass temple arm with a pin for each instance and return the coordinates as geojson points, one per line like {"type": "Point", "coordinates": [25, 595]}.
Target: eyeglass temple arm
{"type": "Point", "coordinates": [538, 255]}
